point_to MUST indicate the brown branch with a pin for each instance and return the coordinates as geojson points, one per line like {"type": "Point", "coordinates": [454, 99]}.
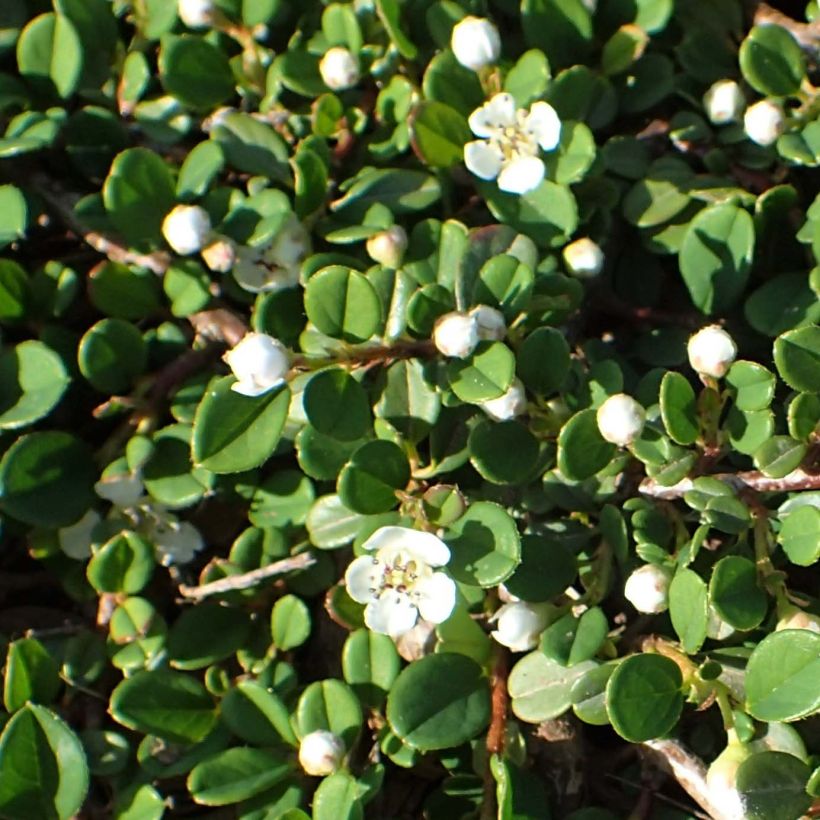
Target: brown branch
{"type": "Point", "coordinates": [368, 355]}
{"type": "Point", "coordinates": [250, 579]}
{"type": "Point", "coordinates": [750, 480]}
{"type": "Point", "coordinates": [500, 700]}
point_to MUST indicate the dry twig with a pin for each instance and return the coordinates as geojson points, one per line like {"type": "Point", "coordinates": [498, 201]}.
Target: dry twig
{"type": "Point", "coordinates": [750, 480]}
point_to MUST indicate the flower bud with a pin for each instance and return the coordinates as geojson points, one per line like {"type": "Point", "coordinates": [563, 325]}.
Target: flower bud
{"type": "Point", "coordinates": [721, 780]}
{"type": "Point", "coordinates": [339, 69]}
{"type": "Point", "coordinates": [196, 13]}
{"type": "Point", "coordinates": [509, 405]}
{"type": "Point", "coordinates": [519, 624]}
{"type": "Point", "coordinates": [764, 122]}
{"type": "Point", "coordinates": [647, 589]}
{"type": "Point", "coordinates": [321, 753]}
{"type": "Point", "coordinates": [388, 247]}
{"type": "Point", "coordinates": [711, 351]}
{"type": "Point", "coordinates": [620, 419]}
{"type": "Point", "coordinates": [456, 334]}
{"type": "Point", "coordinates": [475, 42]}
{"type": "Point", "coordinates": [792, 617]}
{"type": "Point", "coordinates": [724, 102]}
{"type": "Point", "coordinates": [583, 258]}
{"type": "Point", "coordinates": [186, 229]}
{"type": "Point", "coordinates": [220, 255]}
{"type": "Point", "coordinates": [491, 323]}
{"type": "Point", "coordinates": [259, 363]}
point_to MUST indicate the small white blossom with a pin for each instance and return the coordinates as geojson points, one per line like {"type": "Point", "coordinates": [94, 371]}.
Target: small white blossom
{"type": "Point", "coordinates": [259, 363]}
{"type": "Point", "coordinates": [764, 122]}
{"type": "Point", "coordinates": [510, 142]}
{"type": "Point", "coordinates": [398, 582]}
{"type": "Point", "coordinates": [321, 753]}
{"type": "Point", "coordinates": [219, 255]}
{"type": "Point", "coordinates": [647, 589]}
{"type": "Point", "coordinates": [177, 542]}
{"type": "Point", "coordinates": [519, 625]}
{"type": "Point", "coordinates": [339, 69]}
{"type": "Point", "coordinates": [620, 419]}
{"type": "Point", "coordinates": [456, 334]}
{"type": "Point", "coordinates": [509, 405]}
{"type": "Point", "coordinates": [186, 229]}
{"type": "Point", "coordinates": [276, 266]}
{"type": "Point", "coordinates": [711, 351]}
{"type": "Point", "coordinates": [721, 781]}
{"type": "Point", "coordinates": [196, 13]}
{"type": "Point", "coordinates": [75, 541]}
{"type": "Point", "coordinates": [475, 42]}
{"type": "Point", "coordinates": [584, 258]}
{"type": "Point", "coordinates": [387, 247]}
{"type": "Point", "coordinates": [724, 102]}
{"type": "Point", "coordinates": [794, 618]}
{"type": "Point", "coordinates": [491, 323]}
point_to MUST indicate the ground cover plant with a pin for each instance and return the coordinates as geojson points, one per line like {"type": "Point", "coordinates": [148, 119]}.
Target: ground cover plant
{"type": "Point", "coordinates": [409, 409]}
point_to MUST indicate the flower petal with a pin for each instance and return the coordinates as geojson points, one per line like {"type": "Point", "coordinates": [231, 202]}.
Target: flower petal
{"type": "Point", "coordinates": [436, 597]}
{"type": "Point", "coordinates": [482, 159]}
{"type": "Point", "coordinates": [424, 546]}
{"type": "Point", "coordinates": [250, 388]}
{"type": "Point", "coordinates": [544, 123]}
{"type": "Point", "coordinates": [393, 613]}
{"type": "Point", "coordinates": [499, 112]}
{"type": "Point", "coordinates": [363, 579]}
{"type": "Point", "coordinates": [521, 175]}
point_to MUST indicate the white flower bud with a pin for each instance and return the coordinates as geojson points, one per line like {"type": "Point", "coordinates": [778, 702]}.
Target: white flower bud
{"type": "Point", "coordinates": [620, 419]}
{"type": "Point", "coordinates": [793, 617]}
{"type": "Point", "coordinates": [196, 13]}
{"type": "Point", "coordinates": [724, 102]}
{"type": "Point", "coordinates": [456, 334]}
{"type": "Point", "coordinates": [647, 589]}
{"type": "Point", "coordinates": [388, 247]}
{"type": "Point", "coordinates": [509, 405]}
{"type": "Point", "coordinates": [186, 229]}
{"type": "Point", "coordinates": [583, 258]}
{"type": "Point", "coordinates": [339, 69]}
{"type": "Point", "coordinates": [220, 255]}
{"type": "Point", "coordinates": [491, 323]}
{"type": "Point", "coordinates": [519, 625]}
{"type": "Point", "coordinates": [75, 541]}
{"type": "Point", "coordinates": [721, 780]}
{"type": "Point", "coordinates": [711, 351]}
{"type": "Point", "coordinates": [764, 122]}
{"type": "Point", "coordinates": [475, 42]}
{"type": "Point", "coordinates": [321, 753]}
{"type": "Point", "coordinates": [259, 363]}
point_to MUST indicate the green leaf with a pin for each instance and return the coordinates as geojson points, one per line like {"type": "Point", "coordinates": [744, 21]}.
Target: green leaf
{"type": "Point", "coordinates": [123, 292]}
{"type": "Point", "coordinates": [236, 774]}
{"type": "Point", "coordinates": [504, 452]}
{"type": "Point", "coordinates": [337, 405]}
{"type": "Point", "coordinates": [562, 28]}
{"type": "Point", "coordinates": [486, 374]}
{"type": "Point", "coordinates": [233, 432]}
{"type": "Point", "coordinates": [369, 482]}
{"type": "Point", "coordinates": [782, 674]}
{"type": "Point", "coordinates": [407, 401]}
{"type": "Point", "coordinates": [112, 354]}
{"type": "Point", "coordinates": [13, 214]}
{"type": "Point", "coordinates": [543, 360]}
{"type": "Point", "coordinates": [571, 640]}
{"type": "Point", "coordinates": [485, 545]}
{"type": "Point", "coordinates": [623, 48]}
{"type": "Point", "coordinates": [439, 701]}
{"type": "Point", "coordinates": [171, 705]}
{"type": "Point", "coordinates": [44, 767]}
{"type": "Point", "coordinates": [528, 79]}
{"type": "Point", "coordinates": [781, 303]}
{"type": "Point", "coordinates": [588, 695]}
{"type": "Point", "coordinates": [342, 303]}
{"type": "Point", "coordinates": [547, 568]}
{"type": "Point", "coordinates": [370, 664]}
{"type": "Point", "coordinates": [688, 609]}
{"type": "Point", "coordinates": [47, 479]}
{"type": "Point", "coordinates": [202, 165]}
{"type": "Point", "coordinates": [403, 191]}
{"type": "Point", "coordinates": [49, 50]}
{"type": "Point", "coordinates": [779, 456]}
{"type": "Point", "coordinates": [752, 385]}
{"type": "Point", "coordinates": [289, 623]}
{"type": "Point", "coordinates": [804, 416]}
{"type": "Point", "coordinates": [735, 594]}
{"type": "Point", "coordinates": [389, 11]}
{"type": "Point", "coordinates": [582, 451]}
{"type": "Point", "coordinates": [716, 256]}
{"type": "Point", "coordinates": [644, 698]}
{"type": "Point", "coordinates": [330, 524]}
{"type": "Point", "coordinates": [800, 536]}
{"type": "Point", "coordinates": [31, 674]}
{"type": "Point", "coordinates": [125, 563]}
{"type": "Point", "coordinates": [772, 62]}
{"type": "Point", "coordinates": [574, 155]}
{"type": "Point", "coordinates": [332, 706]}
{"type": "Point", "coordinates": [679, 408]}
{"type": "Point", "coordinates": [337, 798]}
{"type": "Point", "coordinates": [184, 61]}
{"type": "Point", "coordinates": [505, 283]}
{"type": "Point", "coordinates": [797, 356]}
{"type": "Point", "coordinates": [772, 785]}
{"type": "Point", "coordinates": [205, 634]}
{"type": "Point", "coordinates": [252, 146]}
{"type": "Point", "coordinates": [438, 134]}
{"type": "Point", "coordinates": [257, 715]}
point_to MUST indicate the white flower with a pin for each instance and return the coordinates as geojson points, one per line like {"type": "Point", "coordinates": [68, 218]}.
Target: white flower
{"type": "Point", "coordinates": [321, 753]}
{"type": "Point", "coordinates": [519, 625]}
{"type": "Point", "coordinates": [711, 351]}
{"type": "Point", "coordinates": [475, 42]}
{"type": "Point", "coordinates": [491, 324]}
{"type": "Point", "coordinates": [196, 13]}
{"type": "Point", "coordinates": [456, 334]}
{"type": "Point", "coordinates": [647, 589]}
{"type": "Point", "coordinates": [259, 363]}
{"type": "Point", "coordinates": [724, 102]}
{"type": "Point", "coordinates": [339, 69]}
{"type": "Point", "coordinates": [583, 258]}
{"type": "Point", "coordinates": [177, 542]}
{"type": "Point", "coordinates": [75, 541]}
{"type": "Point", "coordinates": [721, 780]}
{"type": "Point", "coordinates": [186, 229]}
{"type": "Point", "coordinates": [794, 618]}
{"type": "Point", "coordinates": [398, 582]}
{"type": "Point", "coordinates": [220, 255]}
{"type": "Point", "coordinates": [275, 266]}
{"type": "Point", "coordinates": [510, 142]}
{"type": "Point", "coordinates": [764, 122]}
{"type": "Point", "coordinates": [620, 419]}
{"type": "Point", "coordinates": [509, 405]}
{"type": "Point", "coordinates": [387, 247]}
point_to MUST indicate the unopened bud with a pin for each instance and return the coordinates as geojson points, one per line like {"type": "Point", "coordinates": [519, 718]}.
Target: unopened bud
{"type": "Point", "coordinates": [475, 42]}
{"type": "Point", "coordinates": [387, 247]}
{"type": "Point", "coordinates": [339, 69]}
{"type": "Point", "coordinates": [764, 122]}
{"type": "Point", "coordinates": [509, 405]}
{"type": "Point", "coordinates": [620, 419]}
{"type": "Point", "coordinates": [647, 589]}
{"type": "Point", "coordinates": [724, 102]}
{"type": "Point", "coordinates": [321, 753]}
{"type": "Point", "coordinates": [519, 624]}
{"type": "Point", "coordinates": [259, 363]}
{"type": "Point", "coordinates": [196, 13]}
{"type": "Point", "coordinates": [456, 334]}
{"type": "Point", "coordinates": [583, 258]}
{"type": "Point", "coordinates": [186, 229]}
{"type": "Point", "coordinates": [220, 255]}
{"type": "Point", "coordinates": [711, 351]}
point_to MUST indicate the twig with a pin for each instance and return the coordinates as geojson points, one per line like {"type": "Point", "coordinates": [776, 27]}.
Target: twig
{"type": "Point", "coordinates": [250, 579]}
{"type": "Point", "coordinates": [750, 480]}
{"type": "Point", "coordinates": [498, 723]}
{"type": "Point", "coordinates": [367, 355]}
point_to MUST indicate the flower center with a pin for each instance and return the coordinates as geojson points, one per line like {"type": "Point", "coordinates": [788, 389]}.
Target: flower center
{"type": "Point", "coordinates": [515, 140]}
